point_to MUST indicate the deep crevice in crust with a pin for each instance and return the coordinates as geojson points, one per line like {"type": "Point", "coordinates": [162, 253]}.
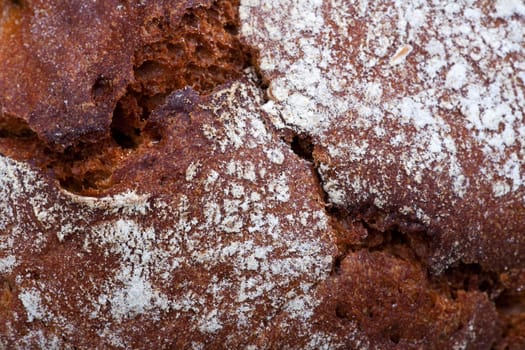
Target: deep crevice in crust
{"type": "Point", "coordinates": [165, 65]}
{"type": "Point", "coordinates": [369, 229]}
{"type": "Point", "coordinates": [202, 50]}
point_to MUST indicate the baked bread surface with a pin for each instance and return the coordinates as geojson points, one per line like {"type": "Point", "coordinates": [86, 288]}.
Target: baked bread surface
{"type": "Point", "coordinates": [262, 174]}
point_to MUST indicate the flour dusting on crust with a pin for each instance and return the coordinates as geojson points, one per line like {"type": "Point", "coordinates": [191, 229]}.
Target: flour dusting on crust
{"type": "Point", "coordinates": [219, 251]}
{"type": "Point", "coordinates": [415, 108]}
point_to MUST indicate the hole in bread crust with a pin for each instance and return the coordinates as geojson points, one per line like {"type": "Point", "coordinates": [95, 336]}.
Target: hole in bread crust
{"type": "Point", "coordinates": [80, 168]}
{"type": "Point", "coordinates": [302, 145]}
{"type": "Point", "coordinates": [201, 50]}
{"type": "Point", "coordinates": [395, 337]}
{"type": "Point", "coordinates": [101, 88]}
{"type": "Point", "coordinates": [17, 2]}
{"type": "Point", "coordinates": [12, 127]}
{"type": "Point", "coordinates": [370, 229]}
{"type": "Point", "coordinates": [188, 54]}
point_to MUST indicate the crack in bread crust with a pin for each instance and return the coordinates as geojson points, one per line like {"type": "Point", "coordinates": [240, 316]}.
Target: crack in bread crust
{"type": "Point", "coordinates": [206, 202]}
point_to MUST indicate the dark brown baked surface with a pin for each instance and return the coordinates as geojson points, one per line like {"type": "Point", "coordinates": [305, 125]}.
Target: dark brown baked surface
{"type": "Point", "coordinates": [205, 247]}
{"type": "Point", "coordinates": [262, 174]}
{"type": "Point", "coordinates": [416, 115]}
{"type": "Point", "coordinates": [66, 64]}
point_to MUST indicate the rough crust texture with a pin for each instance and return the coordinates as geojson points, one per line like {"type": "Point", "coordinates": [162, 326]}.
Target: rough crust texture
{"type": "Point", "coordinates": [78, 58]}
{"type": "Point", "coordinates": [362, 187]}
{"type": "Point", "coordinates": [214, 248]}
{"type": "Point", "coordinates": [432, 131]}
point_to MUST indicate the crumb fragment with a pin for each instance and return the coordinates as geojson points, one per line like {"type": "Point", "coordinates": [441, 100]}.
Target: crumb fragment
{"type": "Point", "coordinates": [400, 55]}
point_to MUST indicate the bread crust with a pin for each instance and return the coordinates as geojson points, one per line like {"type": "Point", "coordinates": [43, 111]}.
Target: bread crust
{"type": "Point", "coordinates": [416, 113]}
{"type": "Point", "coordinates": [262, 174]}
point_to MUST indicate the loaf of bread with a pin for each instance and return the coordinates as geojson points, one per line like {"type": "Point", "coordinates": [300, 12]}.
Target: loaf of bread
{"type": "Point", "coordinates": [281, 174]}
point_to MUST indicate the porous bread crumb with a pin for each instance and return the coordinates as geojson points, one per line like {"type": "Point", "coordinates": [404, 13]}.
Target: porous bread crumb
{"type": "Point", "coordinates": [152, 245]}
{"type": "Point", "coordinates": [233, 243]}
